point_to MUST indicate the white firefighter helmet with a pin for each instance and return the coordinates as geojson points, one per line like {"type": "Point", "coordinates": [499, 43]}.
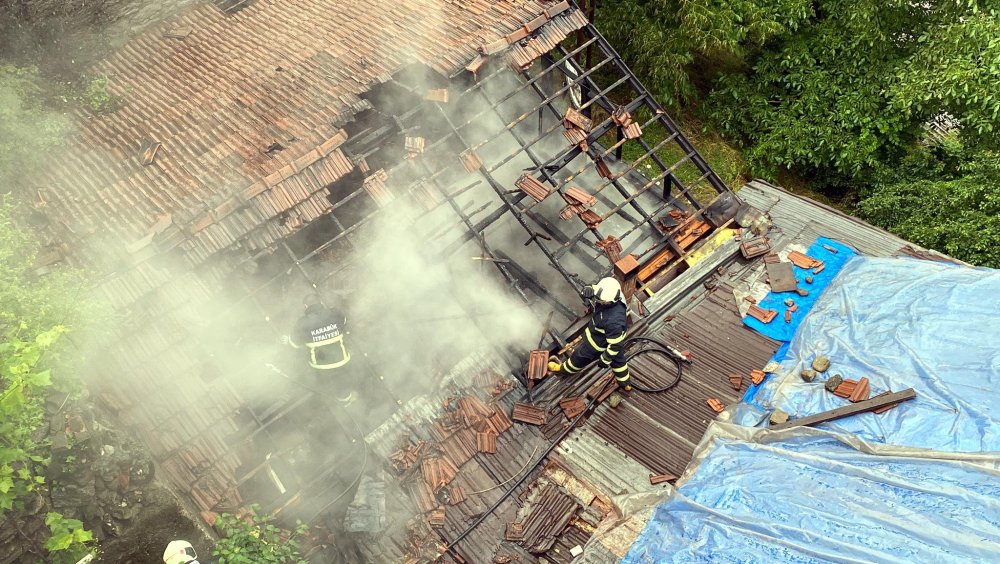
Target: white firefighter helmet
{"type": "Point", "coordinates": [608, 290]}
{"type": "Point", "coordinates": [180, 552]}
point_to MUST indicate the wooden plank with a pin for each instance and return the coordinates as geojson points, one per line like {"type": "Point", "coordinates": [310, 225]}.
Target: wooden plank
{"type": "Point", "coordinates": [848, 410]}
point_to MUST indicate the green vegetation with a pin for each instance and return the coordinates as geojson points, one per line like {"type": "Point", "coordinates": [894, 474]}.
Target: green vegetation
{"type": "Point", "coordinates": [255, 541]}
{"type": "Point", "coordinates": [33, 361]}
{"type": "Point", "coordinates": [943, 198]}
{"type": "Point", "coordinates": [835, 94]}
{"type": "Point", "coordinates": [98, 97]}
{"type": "Point", "coordinates": [28, 128]}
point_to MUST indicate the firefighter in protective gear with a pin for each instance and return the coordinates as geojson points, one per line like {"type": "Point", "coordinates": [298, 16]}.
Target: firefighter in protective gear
{"type": "Point", "coordinates": [180, 552]}
{"type": "Point", "coordinates": [604, 334]}
{"type": "Point", "coordinates": [321, 332]}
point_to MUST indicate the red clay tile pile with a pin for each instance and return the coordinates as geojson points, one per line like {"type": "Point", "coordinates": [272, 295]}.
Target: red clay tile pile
{"type": "Point", "coordinates": [530, 414]}
{"type": "Point", "coordinates": [532, 187]}
{"type": "Point", "coordinates": [632, 131]}
{"type": "Point", "coordinates": [590, 218]}
{"type": "Point", "coordinates": [572, 406]}
{"type": "Point", "coordinates": [437, 472]}
{"type": "Point", "coordinates": [602, 168]}
{"type": "Point", "coordinates": [757, 376]}
{"type": "Point", "coordinates": [406, 457]}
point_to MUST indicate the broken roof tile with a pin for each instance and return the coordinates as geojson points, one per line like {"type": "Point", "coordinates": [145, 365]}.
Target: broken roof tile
{"type": "Point", "coordinates": [439, 95]}
{"type": "Point", "coordinates": [574, 195]}
{"type": "Point", "coordinates": [655, 479]}
{"type": "Point", "coordinates": [532, 187]}
{"type": "Point", "coordinates": [486, 442]}
{"type": "Point", "coordinates": [538, 364]}
{"type": "Point", "coordinates": [861, 391]}
{"type": "Point", "coordinates": [527, 413]}
{"type": "Point", "coordinates": [574, 118]}
{"type": "Point", "coordinates": [572, 406]}
{"type": "Point", "coordinates": [470, 160]}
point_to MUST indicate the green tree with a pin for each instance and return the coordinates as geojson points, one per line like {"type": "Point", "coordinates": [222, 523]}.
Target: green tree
{"type": "Point", "coordinates": [672, 44]}
{"type": "Point", "coordinates": [944, 198]}
{"type": "Point", "coordinates": [256, 541]}
{"type": "Point", "coordinates": [851, 88]}
{"type": "Point", "coordinates": [33, 314]}
{"type": "Point", "coordinates": [29, 129]}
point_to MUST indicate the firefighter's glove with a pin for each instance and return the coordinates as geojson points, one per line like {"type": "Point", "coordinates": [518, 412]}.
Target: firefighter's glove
{"type": "Point", "coordinates": [554, 366]}
{"type": "Point", "coordinates": [588, 293]}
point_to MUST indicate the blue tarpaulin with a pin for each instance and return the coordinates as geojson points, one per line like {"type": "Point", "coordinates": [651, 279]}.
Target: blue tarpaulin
{"type": "Point", "coordinates": [904, 323]}
{"type": "Point", "coordinates": [777, 329]}
{"type": "Point", "coordinates": [806, 496]}
{"type": "Point", "coordinates": [918, 483]}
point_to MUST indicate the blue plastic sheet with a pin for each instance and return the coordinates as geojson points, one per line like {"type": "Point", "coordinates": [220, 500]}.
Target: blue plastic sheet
{"type": "Point", "coordinates": [904, 323]}
{"type": "Point", "coordinates": [832, 263]}
{"type": "Point", "coordinates": [812, 498]}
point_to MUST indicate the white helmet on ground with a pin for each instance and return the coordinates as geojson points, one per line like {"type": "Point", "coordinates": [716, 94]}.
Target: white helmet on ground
{"type": "Point", "coordinates": [608, 290]}
{"type": "Point", "coordinates": [180, 552]}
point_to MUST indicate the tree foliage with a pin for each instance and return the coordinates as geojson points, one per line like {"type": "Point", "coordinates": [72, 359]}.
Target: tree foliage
{"type": "Point", "coordinates": [943, 198]}
{"type": "Point", "coordinates": [28, 127]}
{"type": "Point", "coordinates": [852, 87]}
{"type": "Point", "coordinates": [255, 541]}
{"type": "Point", "coordinates": [33, 316]}
{"type": "Point", "coordinates": [665, 40]}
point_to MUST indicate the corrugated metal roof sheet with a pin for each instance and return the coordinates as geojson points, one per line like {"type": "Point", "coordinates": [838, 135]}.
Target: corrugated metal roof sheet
{"type": "Point", "coordinates": [802, 220]}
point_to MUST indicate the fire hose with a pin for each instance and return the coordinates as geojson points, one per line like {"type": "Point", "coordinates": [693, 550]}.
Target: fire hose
{"type": "Point", "coordinates": [647, 345]}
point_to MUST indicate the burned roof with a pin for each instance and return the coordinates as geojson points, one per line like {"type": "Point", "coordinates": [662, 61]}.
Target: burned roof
{"type": "Point", "coordinates": [227, 122]}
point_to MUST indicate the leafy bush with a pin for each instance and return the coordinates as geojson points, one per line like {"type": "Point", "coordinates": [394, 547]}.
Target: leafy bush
{"type": "Point", "coordinates": [850, 90]}
{"type": "Point", "coordinates": [944, 199]}
{"type": "Point", "coordinates": [28, 129]}
{"type": "Point", "coordinates": [69, 541]}
{"type": "Point", "coordinates": [256, 541]}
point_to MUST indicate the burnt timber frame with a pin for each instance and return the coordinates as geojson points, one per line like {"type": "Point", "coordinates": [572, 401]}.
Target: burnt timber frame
{"type": "Point", "coordinates": [567, 65]}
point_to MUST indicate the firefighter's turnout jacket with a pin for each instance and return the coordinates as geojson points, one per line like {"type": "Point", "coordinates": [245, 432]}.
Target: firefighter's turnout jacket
{"type": "Point", "coordinates": [321, 330]}
{"type": "Point", "coordinates": [602, 338]}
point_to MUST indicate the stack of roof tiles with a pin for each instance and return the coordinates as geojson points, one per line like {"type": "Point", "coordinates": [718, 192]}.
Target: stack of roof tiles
{"type": "Point", "coordinates": [228, 134]}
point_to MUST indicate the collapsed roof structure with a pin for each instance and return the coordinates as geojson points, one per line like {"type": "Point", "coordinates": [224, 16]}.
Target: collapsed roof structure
{"type": "Point", "coordinates": [253, 153]}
